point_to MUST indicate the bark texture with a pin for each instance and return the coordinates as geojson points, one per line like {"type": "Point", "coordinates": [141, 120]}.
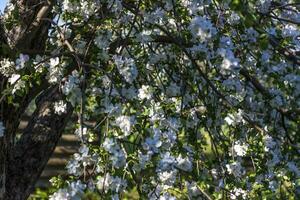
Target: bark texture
{"type": "Point", "coordinates": [22, 162]}
{"type": "Point", "coordinates": [32, 151]}
{"type": "Point", "coordinates": [32, 31]}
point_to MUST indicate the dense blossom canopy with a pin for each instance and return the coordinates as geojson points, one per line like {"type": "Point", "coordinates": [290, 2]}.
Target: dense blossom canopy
{"type": "Point", "coordinates": [188, 99]}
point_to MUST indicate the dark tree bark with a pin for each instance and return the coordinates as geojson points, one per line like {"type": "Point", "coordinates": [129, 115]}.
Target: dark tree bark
{"type": "Point", "coordinates": [32, 31]}
{"type": "Point", "coordinates": [21, 163]}
{"type": "Point", "coordinates": [32, 151]}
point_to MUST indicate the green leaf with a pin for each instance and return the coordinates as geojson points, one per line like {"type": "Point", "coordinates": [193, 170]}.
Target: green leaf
{"type": "Point", "coordinates": [264, 41]}
{"type": "Point", "coordinates": [235, 5]}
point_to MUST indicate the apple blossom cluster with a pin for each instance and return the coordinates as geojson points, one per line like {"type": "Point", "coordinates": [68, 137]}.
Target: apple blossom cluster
{"type": "Point", "coordinates": [21, 61]}
{"type": "Point", "coordinates": [189, 99]}
{"type": "Point", "coordinates": [202, 28]}
{"type": "Point", "coordinates": [60, 107]}
{"type": "Point", "coordinates": [12, 71]}
{"type": "Point", "coordinates": [70, 87]}
{"type": "Point", "coordinates": [73, 191]}
{"type": "Point", "coordinates": [110, 183]}
{"type": "Point", "coordinates": [80, 160]}
{"type": "Point", "coordinates": [85, 8]}
{"type": "Point", "coordinates": [127, 68]}
{"type": "Point", "coordinates": [117, 154]}
{"type": "Point", "coordinates": [7, 67]}
{"type": "Point", "coordinates": [55, 71]}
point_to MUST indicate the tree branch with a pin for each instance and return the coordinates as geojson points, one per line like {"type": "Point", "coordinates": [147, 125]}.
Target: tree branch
{"type": "Point", "coordinates": [32, 32]}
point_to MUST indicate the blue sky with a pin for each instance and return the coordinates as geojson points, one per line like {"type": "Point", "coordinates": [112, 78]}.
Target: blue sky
{"type": "Point", "coordinates": [2, 4]}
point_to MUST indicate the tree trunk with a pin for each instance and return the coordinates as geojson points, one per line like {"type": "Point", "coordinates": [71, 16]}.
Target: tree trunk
{"type": "Point", "coordinates": [33, 150]}
{"type": "Point", "coordinates": [21, 163]}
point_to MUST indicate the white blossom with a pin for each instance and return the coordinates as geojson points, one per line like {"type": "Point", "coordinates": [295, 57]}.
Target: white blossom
{"type": "Point", "coordinates": [167, 162]}
{"type": "Point", "coordinates": [7, 67]}
{"type": "Point", "coordinates": [168, 177]}
{"type": "Point", "coordinates": [145, 92]}
{"type": "Point", "coordinates": [74, 191]}
{"type": "Point", "coordinates": [55, 71]}
{"type": "Point", "coordinates": [143, 159]}
{"type": "Point", "coordinates": [17, 82]}
{"type": "Point", "coordinates": [166, 196]}
{"type": "Point", "coordinates": [81, 132]}
{"type": "Point", "coordinates": [238, 192]}
{"type": "Point", "coordinates": [118, 156]}
{"type": "Point", "coordinates": [125, 123]}
{"type": "Point", "coordinates": [20, 62]}
{"type": "Point", "coordinates": [80, 160]}
{"type": "Point", "coordinates": [273, 185]}
{"type": "Point", "coordinates": [269, 143]}
{"type": "Point", "coordinates": [60, 107]}
{"type": "Point", "coordinates": [126, 67]}
{"type": "Point", "coordinates": [193, 190]}
{"type": "Point", "coordinates": [108, 182]}
{"type": "Point", "coordinates": [152, 144]}
{"type": "Point", "coordinates": [71, 84]}
{"type": "Point", "coordinates": [102, 41]}
{"type": "Point", "coordinates": [70, 6]}
{"type": "Point", "coordinates": [240, 149]}
{"type": "Point", "coordinates": [129, 93]}
{"type": "Point", "coordinates": [61, 194]}
{"type": "Point", "coordinates": [235, 168]}
{"type": "Point", "coordinates": [234, 18]}
{"type": "Point", "coordinates": [202, 28]}
{"type": "Point", "coordinates": [14, 78]}
{"type": "Point", "coordinates": [233, 119]}
{"type": "Point", "coordinates": [230, 62]}
{"type": "Point", "coordinates": [184, 164]}
{"type": "Point", "coordinates": [87, 8]}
